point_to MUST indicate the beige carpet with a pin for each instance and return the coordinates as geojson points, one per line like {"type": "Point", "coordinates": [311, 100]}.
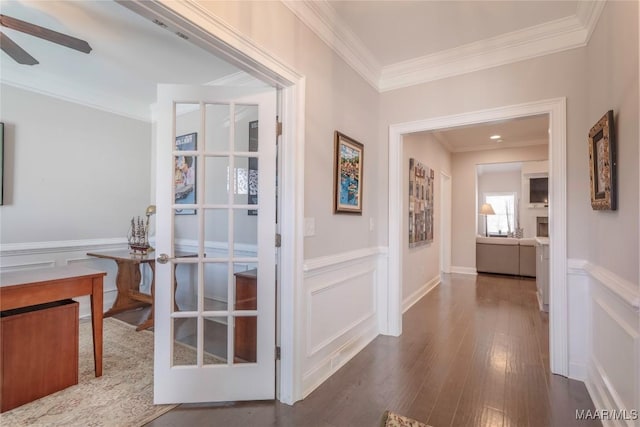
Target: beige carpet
{"type": "Point", "coordinates": [390, 419]}
{"type": "Point", "coordinates": [123, 396]}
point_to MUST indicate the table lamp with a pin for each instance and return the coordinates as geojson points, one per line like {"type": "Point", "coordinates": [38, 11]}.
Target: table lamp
{"type": "Point", "coordinates": [485, 210]}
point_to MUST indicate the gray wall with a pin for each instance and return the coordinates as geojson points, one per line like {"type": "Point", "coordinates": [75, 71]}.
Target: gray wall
{"type": "Point", "coordinates": [422, 263]}
{"type": "Point", "coordinates": [71, 172]}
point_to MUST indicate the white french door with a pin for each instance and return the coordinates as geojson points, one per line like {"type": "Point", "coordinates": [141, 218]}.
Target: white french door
{"type": "Point", "coordinates": [215, 244]}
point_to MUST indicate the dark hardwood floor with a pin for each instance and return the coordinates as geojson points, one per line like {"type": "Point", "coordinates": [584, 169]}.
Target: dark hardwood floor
{"type": "Point", "coordinates": [474, 352]}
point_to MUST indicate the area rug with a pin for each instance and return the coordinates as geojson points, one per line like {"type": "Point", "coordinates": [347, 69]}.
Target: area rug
{"type": "Point", "coordinates": [390, 419]}
{"type": "Point", "coordinates": [123, 396]}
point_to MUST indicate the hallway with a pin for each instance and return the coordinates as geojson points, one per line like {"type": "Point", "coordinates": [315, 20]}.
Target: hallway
{"type": "Point", "coordinates": [474, 352]}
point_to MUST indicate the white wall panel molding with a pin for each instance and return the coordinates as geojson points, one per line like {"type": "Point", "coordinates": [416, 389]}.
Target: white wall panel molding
{"type": "Point", "coordinates": [613, 371]}
{"type": "Point", "coordinates": [418, 294]}
{"type": "Point", "coordinates": [342, 296]}
{"type": "Point", "coordinates": [27, 266]}
{"type": "Point", "coordinates": [32, 248]}
{"type": "Point", "coordinates": [329, 364]}
{"type": "Point", "coordinates": [578, 299]}
{"type": "Point", "coordinates": [622, 288]}
{"type": "Point", "coordinates": [313, 317]}
{"type": "Point", "coordinates": [603, 395]}
{"type": "Point", "coordinates": [319, 265]}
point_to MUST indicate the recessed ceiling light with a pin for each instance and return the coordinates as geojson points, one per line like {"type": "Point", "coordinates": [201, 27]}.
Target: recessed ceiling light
{"type": "Point", "coordinates": [495, 137]}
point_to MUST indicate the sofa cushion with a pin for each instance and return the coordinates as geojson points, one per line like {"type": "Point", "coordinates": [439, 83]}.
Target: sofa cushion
{"type": "Point", "coordinates": [497, 240]}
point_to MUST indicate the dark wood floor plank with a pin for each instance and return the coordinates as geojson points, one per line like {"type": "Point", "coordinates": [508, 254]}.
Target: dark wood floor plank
{"type": "Point", "coordinates": [474, 352]}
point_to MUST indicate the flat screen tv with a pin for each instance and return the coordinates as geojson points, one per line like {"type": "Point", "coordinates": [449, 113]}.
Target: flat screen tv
{"type": "Point", "coordinates": [539, 190]}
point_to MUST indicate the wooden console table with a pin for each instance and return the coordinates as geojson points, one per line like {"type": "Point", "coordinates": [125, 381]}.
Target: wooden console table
{"type": "Point", "coordinates": [128, 282]}
{"type": "Point", "coordinates": [26, 288]}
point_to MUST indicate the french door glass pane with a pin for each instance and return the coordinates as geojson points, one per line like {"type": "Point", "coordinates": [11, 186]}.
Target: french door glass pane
{"type": "Point", "coordinates": [217, 127]}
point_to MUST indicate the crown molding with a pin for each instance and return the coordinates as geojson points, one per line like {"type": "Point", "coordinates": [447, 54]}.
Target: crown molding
{"type": "Point", "coordinates": [551, 37]}
{"type": "Point", "coordinates": [544, 39]}
{"type": "Point", "coordinates": [62, 90]}
{"type": "Point", "coordinates": [323, 20]}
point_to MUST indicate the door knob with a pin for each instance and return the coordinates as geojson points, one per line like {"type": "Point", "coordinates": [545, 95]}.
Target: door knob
{"type": "Point", "coordinates": [163, 258]}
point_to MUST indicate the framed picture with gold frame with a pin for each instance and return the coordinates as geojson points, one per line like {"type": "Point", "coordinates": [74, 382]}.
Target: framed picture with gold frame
{"type": "Point", "coordinates": [602, 164]}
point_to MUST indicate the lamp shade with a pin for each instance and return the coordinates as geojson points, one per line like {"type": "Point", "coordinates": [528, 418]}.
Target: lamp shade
{"type": "Point", "coordinates": [487, 209]}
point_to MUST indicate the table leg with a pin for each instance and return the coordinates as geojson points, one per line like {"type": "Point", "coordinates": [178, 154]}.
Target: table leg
{"type": "Point", "coordinates": [149, 322]}
{"type": "Point", "coordinates": [96, 321]}
{"type": "Point", "coordinates": [127, 279]}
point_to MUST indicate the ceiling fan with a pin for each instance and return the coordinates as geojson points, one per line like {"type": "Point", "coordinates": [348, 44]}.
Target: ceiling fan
{"type": "Point", "coordinates": [20, 55]}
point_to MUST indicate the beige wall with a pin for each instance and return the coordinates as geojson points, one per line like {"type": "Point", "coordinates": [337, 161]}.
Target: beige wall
{"type": "Point", "coordinates": [71, 172]}
{"type": "Point", "coordinates": [612, 64]}
{"type": "Point", "coordinates": [558, 75]}
{"type": "Point", "coordinates": [337, 98]}
{"type": "Point", "coordinates": [422, 263]}
{"type": "Point", "coordinates": [464, 209]}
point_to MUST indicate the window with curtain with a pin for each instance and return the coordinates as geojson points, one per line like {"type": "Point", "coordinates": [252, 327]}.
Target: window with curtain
{"type": "Point", "coordinates": [503, 222]}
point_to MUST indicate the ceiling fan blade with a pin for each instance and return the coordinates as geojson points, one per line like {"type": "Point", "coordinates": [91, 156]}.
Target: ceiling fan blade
{"type": "Point", "coordinates": [45, 33]}
{"type": "Point", "coordinates": [16, 52]}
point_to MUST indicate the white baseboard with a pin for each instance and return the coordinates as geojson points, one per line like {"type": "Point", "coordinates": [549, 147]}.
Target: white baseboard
{"type": "Point", "coordinates": [464, 270]}
{"type": "Point", "coordinates": [421, 292]}
{"type": "Point", "coordinates": [338, 358]}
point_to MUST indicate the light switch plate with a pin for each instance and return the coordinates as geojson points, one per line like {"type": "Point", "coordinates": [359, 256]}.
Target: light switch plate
{"type": "Point", "coordinates": [309, 227]}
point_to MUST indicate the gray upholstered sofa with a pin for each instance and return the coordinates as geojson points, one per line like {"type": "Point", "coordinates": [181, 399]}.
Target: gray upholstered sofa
{"type": "Point", "coordinates": [506, 255]}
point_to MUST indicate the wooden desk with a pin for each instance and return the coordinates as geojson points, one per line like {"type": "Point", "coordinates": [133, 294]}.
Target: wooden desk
{"type": "Point", "coordinates": [128, 282]}
{"type": "Point", "coordinates": [26, 288]}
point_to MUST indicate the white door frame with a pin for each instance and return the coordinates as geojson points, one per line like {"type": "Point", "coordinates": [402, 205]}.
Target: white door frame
{"type": "Point", "coordinates": [214, 35]}
{"type": "Point", "coordinates": [558, 304]}
{"type": "Point", "coordinates": [445, 222]}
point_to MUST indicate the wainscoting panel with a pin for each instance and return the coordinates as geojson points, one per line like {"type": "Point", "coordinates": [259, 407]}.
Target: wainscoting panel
{"type": "Point", "coordinates": [613, 355]}
{"type": "Point", "coordinates": [340, 310]}
{"type": "Point", "coordinates": [35, 255]}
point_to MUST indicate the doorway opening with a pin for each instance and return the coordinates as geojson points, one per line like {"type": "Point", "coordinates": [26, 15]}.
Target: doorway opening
{"type": "Point", "coordinates": [213, 35]}
{"type": "Point", "coordinates": [556, 111]}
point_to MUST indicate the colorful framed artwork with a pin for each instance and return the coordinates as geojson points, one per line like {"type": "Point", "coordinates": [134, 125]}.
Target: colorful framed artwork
{"type": "Point", "coordinates": [347, 189]}
{"type": "Point", "coordinates": [602, 164]}
{"type": "Point", "coordinates": [421, 189]}
{"type": "Point", "coordinates": [184, 186]}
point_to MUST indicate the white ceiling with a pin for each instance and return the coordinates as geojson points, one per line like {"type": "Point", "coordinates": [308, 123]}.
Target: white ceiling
{"type": "Point", "coordinates": [522, 132]}
{"type": "Point", "coordinates": [391, 44]}
{"type": "Point", "coordinates": [395, 44]}
{"type": "Point", "coordinates": [395, 31]}
{"type": "Point", "coordinates": [130, 56]}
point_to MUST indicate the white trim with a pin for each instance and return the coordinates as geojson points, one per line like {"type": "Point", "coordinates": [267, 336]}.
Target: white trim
{"type": "Point", "coordinates": [29, 248]}
{"type": "Point", "coordinates": [323, 20]}
{"type": "Point", "coordinates": [34, 265]}
{"type": "Point", "coordinates": [556, 108]}
{"type": "Point", "coordinates": [334, 361]}
{"type": "Point", "coordinates": [214, 35]}
{"type": "Point", "coordinates": [417, 295]}
{"type": "Point", "coordinates": [464, 270]}
{"type": "Point", "coordinates": [602, 393]}
{"type": "Point", "coordinates": [622, 288]}
{"type": "Point", "coordinates": [314, 265]}
{"type": "Point", "coordinates": [544, 39]}
{"type": "Point", "coordinates": [102, 101]}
